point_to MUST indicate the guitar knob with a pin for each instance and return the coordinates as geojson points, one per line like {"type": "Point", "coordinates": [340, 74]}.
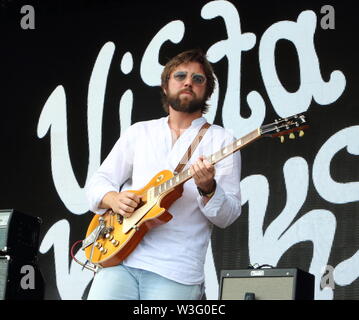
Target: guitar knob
{"type": "Point", "coordinates": [115, 242]}
{"type": "Point", "coordinates": [109, 236]}
{"type": "Point", "coordinates": [103, 250]}
{"type": "Point", "coordinates": [292, 136]}
{"type": "Point", "coordinates": [98, 244]}
{"type": "Point", "coordinates": [301, 133]}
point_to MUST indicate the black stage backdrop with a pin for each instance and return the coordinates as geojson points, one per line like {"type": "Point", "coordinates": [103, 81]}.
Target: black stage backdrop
{"type": "Point", "coordinates": [81, 72]}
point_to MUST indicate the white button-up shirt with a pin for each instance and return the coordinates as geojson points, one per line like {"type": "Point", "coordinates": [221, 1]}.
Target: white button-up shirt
{"type": "Point", "coordinates": [176, 249]}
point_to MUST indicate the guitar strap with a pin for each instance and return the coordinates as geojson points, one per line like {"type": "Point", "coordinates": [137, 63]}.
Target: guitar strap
{"type": "Point", "coordinates": [191, 148]}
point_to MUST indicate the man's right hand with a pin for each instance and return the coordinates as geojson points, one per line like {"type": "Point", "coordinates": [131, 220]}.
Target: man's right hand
{"type": "Point", "coordinates": [123, 203]}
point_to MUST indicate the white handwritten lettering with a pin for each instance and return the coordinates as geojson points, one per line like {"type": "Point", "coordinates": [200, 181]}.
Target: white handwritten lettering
{"type": "Point", "coordinates": [265, 246]}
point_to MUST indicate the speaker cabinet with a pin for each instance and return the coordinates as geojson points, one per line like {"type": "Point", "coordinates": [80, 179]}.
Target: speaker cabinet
{"type": "Point", "coordinates": [266, 284]}
{"type": "Point", "coordinates": [19, 234]}
{"type": "Point", "coordinates": [20, 280]}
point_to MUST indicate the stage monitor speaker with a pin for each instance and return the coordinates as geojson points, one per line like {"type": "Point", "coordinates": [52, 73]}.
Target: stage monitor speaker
{"type": "Point", "coordinates": [20, 280]}
{"type": "Point", "coordinates": [266, 284]}
{"type": "Point", "coordinates": [19, 234]}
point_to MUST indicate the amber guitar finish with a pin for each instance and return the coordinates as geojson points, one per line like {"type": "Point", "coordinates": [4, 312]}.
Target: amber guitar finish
{"type": "Point", "coordinates": [120, 236]}
{"type": "Point", "coordinates": [111, 238]}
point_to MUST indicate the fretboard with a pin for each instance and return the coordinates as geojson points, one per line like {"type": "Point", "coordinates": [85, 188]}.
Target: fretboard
{"type": "Point", "coordinates": [185, 175]}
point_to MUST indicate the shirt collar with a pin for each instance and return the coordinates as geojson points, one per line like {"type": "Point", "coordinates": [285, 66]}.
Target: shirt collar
{"type": "Point", "coordinates": [195, 123]}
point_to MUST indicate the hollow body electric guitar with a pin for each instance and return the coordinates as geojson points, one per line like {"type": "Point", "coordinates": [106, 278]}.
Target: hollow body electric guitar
{"type": "Point", "coordinates": [111, 238]}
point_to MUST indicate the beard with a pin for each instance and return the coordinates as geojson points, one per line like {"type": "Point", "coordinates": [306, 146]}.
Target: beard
{"type": "Point", "coordinates": [183, 104]}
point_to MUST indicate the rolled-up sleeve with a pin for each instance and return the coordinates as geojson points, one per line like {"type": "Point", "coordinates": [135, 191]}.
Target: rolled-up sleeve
{"type": "Point", "coordinates": [225, 205]}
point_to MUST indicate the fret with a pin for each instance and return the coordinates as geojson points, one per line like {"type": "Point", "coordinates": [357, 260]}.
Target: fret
{"type": "Point", "coordinates": [229, 149]}
{"type": "Point", "coordinates": [179, 177]}
{"type": "Point", "coordinates": [234, 147]}
{"type": "Point", "coordinates": [218, 155]}
{"type": "Point", "coordinates": [174, 181]}
{"type": "Point", "coordinates": [250, 137]}
{"type": "Point", "coordinates": [214, 158]}
{"type": "Point", "coordinates": [151, 194]}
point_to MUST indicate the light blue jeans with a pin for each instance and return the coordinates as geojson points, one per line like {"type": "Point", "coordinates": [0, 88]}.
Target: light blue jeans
{"type": "Point", "coordinates": [126, 283]}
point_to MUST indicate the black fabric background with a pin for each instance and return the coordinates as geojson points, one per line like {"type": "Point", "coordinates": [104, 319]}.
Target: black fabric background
{"type": "Point", "coordinates": [62, 50]}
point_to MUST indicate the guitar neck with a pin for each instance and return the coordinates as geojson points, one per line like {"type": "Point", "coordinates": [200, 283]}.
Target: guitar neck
{"type": "Point", "coordinates": [186, 175]}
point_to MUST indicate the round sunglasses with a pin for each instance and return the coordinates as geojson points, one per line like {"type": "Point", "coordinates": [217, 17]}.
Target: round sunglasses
{"type": "Point", "coordinates": [197, 78]}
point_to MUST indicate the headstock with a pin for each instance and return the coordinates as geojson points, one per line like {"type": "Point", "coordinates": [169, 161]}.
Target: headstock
{"type": "Point", "coordinates": [286, 126]}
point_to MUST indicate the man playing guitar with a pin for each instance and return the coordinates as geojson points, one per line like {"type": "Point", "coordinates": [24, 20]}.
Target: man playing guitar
{"type": "Point", "coordinates": [168, 263]}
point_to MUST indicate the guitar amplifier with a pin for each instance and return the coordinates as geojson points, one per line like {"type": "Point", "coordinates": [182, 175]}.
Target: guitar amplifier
{"type": "Point", "coordinates": [266, 284]}
{"type": "Point", "coordinates": [20, 280]}
{"type": "Point", "coordinates": [19, 234]}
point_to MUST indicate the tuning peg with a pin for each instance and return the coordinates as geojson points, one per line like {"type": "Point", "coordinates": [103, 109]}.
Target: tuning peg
{"type": "Point", "coordinates": [281, 139]}
{"type": "Point", "coordinates": [291, 136]}
{"type": "Point", "coordinates": [301, 133]}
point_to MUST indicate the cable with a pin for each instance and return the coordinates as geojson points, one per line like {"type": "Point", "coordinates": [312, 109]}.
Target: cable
{"type": "Point", "coordinates": [84, 265]}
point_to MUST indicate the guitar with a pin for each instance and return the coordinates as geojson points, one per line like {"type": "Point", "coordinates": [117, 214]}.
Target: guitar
{"type": "Point", "coordinates": [110, 237]}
